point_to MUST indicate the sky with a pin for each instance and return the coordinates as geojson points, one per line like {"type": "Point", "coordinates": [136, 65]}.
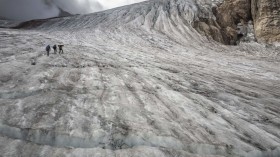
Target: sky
{"type": "Point", "coordinates": [40, 9]}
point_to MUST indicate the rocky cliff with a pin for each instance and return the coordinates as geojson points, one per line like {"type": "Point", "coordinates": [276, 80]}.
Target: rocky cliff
{"type": "Point", "coordinates": [232, 18]}
{"type": "Point", "coordinates": [266, 15]}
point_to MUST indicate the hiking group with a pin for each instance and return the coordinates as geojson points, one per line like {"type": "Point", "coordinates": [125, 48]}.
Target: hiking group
{"type": "Point", "coordinates": [60, 47]}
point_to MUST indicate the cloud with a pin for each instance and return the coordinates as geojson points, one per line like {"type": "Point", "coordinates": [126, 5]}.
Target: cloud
{"type": "Point", "coordinates": [27, 9]}
{"type": "Point", "coordinates": [39, 9]}
{"type": "Point", "coordinates": [79, 6]}
{"type": "Point", "coordinates": [108, 4]}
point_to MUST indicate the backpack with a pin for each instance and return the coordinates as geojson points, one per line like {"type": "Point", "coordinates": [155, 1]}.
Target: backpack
{"type": "Point", "coordinates": [60, 47]}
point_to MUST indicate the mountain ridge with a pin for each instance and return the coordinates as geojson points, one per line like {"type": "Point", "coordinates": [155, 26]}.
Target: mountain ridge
{"type": "Point", "coordinates": [211, 19]}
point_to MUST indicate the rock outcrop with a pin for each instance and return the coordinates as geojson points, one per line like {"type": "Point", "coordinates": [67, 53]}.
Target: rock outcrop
{"type": "Point", "coordinates": [232, 21]}
{"type": "Point", "coordinates": [229, 15]}
{"type": "Point", "coordinates": [266, 15]}
{"type": "Point", "coordinates": [209, 28]}
{"type": "Point", "coordinates": [225, 24]}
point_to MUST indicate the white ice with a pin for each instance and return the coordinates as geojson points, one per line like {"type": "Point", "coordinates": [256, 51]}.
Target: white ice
{"type": "Point", "coordinates": [137, 81]}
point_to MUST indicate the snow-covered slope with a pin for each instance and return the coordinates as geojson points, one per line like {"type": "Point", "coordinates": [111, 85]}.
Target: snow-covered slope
{"type": "Point", "coordinates": [173, 18]}
{"type": "Point", "coordinates": [136, 81]}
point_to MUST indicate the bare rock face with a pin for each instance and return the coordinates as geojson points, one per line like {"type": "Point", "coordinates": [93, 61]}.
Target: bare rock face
{"type": "Point", "coordinates": [232, 12]}
{"type": "Point", "coordinates": [266, 15]}
{"type": "Point", "coordinates": [232, 22]}
{"type": "Point", "coordinates": [229, 14]}
{"type": "Point", "coordinates": [209, 28]}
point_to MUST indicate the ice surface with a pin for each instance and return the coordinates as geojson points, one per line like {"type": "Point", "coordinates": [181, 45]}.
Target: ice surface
{"type": "Point", "coordinates": [137, 81]}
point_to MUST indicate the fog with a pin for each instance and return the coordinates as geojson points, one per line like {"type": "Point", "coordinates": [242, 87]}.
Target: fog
{"type": "Point", "coordinates": [40, 9]}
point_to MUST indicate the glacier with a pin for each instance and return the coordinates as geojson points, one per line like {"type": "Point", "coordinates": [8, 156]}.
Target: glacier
{"type": "Point", "coordinates": [137, 80]}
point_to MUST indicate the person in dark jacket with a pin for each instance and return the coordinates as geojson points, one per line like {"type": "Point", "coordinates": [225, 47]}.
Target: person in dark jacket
{"type": "Point", "coordinates": [54, 49]}
{"type": "Point", "coordinates": [60, 49]}
{"type": "Point", "coordinates": [48, 48]}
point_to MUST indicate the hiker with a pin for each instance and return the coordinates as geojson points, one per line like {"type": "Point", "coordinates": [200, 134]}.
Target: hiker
{"type": "Point", "coordinates": [54, 49]}
{"type": "Point", "coordinates": [48, 48]}
{"type": "Point", "coordinates": [60, 49]}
